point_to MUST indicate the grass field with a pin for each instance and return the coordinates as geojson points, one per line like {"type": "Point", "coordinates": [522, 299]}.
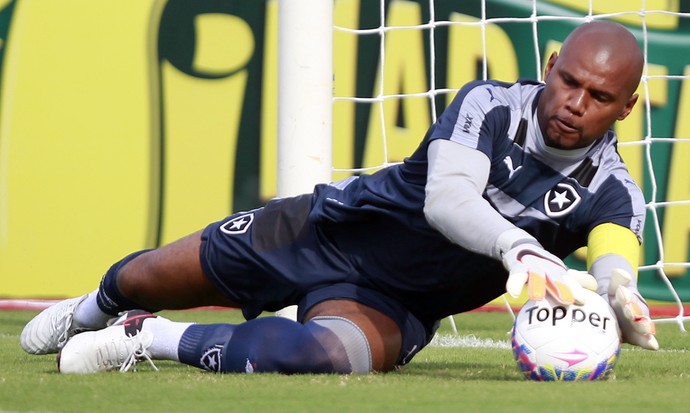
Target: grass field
{"type": "Point", "coordinates": [478, 376]}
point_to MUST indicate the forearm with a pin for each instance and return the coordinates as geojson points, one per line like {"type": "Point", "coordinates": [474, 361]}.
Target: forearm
{"type": "Point", "coordinates": [454, 204]}
{"type": "Point", "coordinates": [611, 246]}
{"type": "Point", "coordinates": [612, 257]}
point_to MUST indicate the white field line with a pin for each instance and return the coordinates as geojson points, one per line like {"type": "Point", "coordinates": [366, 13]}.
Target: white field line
{"type": "Point", "coordinates": [472, 341]}
{"type": "Point", "coordinates": [467, 341]}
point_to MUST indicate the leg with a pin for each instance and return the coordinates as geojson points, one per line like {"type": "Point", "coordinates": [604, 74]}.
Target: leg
{"type": "Point", "coordinates": [331, 341]}
{"type": "Point", "coordinates": [236, 251]}
{"type": "Point", "coordinates": [338, 336]}
{"type": "Point", "coordinates": [170, 277]}
{"type": "Point", "coordinates": [173, 276]}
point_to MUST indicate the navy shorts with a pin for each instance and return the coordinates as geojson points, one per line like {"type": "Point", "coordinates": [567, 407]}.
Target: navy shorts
{"type": "Point", "coordinates": [272, 257]}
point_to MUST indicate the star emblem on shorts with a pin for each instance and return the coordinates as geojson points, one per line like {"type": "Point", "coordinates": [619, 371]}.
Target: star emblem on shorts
{"type": "Point", "coordinates": [211, 359]}
{"type": "Point", "coordinates": [238, 225]}
{"type": "Point", "coordinates": [561, 200]}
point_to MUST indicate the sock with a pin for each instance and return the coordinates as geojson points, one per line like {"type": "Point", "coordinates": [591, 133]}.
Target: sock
{"type": "Point", "coordinates": [166, 337]}
{"type": "Point", "coordinates": [89, 315]}
{"type": "Point", "coordinates": [201, 345]}
{"type": "Point", "coordinates": [268, 344]}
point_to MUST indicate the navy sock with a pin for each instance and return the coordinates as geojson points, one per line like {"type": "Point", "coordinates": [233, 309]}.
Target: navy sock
{"type": "Point", "coordinates": [109, 298]}
{"type": "Point", "coordinates": [269, 344]}
{"type": "Point", "coordinates": [201, 345]}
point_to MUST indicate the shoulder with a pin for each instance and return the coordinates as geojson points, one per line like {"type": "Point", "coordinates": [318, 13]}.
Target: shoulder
{"type": "Point", "coordinates": [493, 92]}
{"type": "Point", "coordinates": [480, 98]}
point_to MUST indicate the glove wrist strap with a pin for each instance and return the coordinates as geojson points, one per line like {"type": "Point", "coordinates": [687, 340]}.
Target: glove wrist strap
{"type": "Point", "coordinates": [511, 238]}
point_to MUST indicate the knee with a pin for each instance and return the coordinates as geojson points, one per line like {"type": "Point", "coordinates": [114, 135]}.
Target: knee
{"type": "Point", "coordinates": [345, 343]}
{"type": "Point", "coordinates": [382, 334]}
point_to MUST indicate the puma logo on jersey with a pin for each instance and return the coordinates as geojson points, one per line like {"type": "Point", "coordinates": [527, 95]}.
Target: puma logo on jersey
{"type": "Point", "coordinates": [491, 95]}
{"type": "Point", "coordinates": [561, 200]}
{"type": "Point", "coordinates": [509, 163]}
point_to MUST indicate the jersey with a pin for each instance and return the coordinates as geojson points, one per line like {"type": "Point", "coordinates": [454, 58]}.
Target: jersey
{"type": "Point", "coordinates": [557, 196]}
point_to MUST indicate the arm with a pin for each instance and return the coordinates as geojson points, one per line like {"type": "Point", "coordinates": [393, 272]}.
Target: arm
{"type": "Point", "coordinates": [612, 256]}
{"type": "Point", "coordinates": [454, 204]}
{"type": "Point", "coordinates": [611, 246]}
{"type": "Point", "coordinates": [455, 207]}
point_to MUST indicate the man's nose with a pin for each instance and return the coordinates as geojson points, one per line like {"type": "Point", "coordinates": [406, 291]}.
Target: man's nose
{"type": "Point", "coordinates": [577, 102]}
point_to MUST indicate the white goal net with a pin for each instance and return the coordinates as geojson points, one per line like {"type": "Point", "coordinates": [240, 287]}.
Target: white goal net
{"type": "Point", "coordinates": [397, 64]}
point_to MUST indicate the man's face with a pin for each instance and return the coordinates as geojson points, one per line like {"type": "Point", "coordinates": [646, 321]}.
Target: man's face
{"type": "Point", "coordinates": [586, 91]}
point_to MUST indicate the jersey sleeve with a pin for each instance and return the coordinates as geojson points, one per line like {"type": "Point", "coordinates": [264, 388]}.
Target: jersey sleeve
{"type": "Point", "coordinates": [475, 117]}
{"type": "Point", "coordinates": [455, 207]}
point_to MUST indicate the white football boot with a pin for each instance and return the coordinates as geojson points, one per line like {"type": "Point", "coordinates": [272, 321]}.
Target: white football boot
{"type": "Point", "coordinates": [48, 332]}
{"type": "Point", "coordinates": [119, 346]}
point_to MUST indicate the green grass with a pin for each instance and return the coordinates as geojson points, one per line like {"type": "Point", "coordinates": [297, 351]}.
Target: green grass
{"type": "Point", "coordinates": [439, 379]}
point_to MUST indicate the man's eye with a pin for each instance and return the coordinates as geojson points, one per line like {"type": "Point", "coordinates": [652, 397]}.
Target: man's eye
{"type": "Point", "coordinates": [600, 97]}
{"type": "Point", "coordinates": [569, 81]}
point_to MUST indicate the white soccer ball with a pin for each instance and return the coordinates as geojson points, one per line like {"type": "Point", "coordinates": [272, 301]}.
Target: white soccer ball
{"type": "Point", "coordinates": [552, 342]}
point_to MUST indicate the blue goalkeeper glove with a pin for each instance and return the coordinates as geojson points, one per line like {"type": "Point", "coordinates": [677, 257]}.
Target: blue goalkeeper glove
{"type": "Point", "coordinates": [631, 311]}
{"type": "Point", "coordinates": [544, 273]}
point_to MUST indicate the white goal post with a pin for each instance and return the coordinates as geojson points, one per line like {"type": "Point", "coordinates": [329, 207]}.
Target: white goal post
{"type": "Point", "coordinates": [305, 96]}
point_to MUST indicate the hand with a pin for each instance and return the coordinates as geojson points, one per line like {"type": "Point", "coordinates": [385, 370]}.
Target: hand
{"type": "Point", "coordinates": [632, 312]}
{"type": "Point", "coordinates": [544, 273]}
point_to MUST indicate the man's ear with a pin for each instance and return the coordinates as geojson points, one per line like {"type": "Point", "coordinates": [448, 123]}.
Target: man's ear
{"type": "Point", "coordinates": [550, 64]}
{"type": "Point", "coordinates": [628, 106]}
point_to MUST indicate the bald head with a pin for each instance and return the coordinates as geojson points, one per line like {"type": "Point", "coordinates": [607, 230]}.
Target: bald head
{"type": "Point", "coordinates": [609, 45]}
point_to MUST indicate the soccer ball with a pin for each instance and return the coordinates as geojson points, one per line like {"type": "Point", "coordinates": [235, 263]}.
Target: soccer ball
{"type": "Point", "coordinates": [552, 342]}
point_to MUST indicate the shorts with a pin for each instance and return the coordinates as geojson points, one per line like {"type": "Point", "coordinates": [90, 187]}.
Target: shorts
{"type": "Point", "coordinates": [272, 257]}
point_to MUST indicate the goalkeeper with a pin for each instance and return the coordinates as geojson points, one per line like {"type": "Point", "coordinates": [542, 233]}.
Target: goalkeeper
{"type": "Point", "coordinates": [511, 178]}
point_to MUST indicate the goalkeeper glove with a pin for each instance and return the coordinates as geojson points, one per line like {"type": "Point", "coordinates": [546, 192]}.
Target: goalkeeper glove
{"type": "Point", "coordinates": [631, 311]}
{"type": "Point", "coordinates": [544, 274]}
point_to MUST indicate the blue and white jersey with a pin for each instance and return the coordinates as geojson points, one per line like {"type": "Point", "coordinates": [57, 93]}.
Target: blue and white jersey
{"type": "Point", "coordinates": [558, 196]}
{"type": "Point", "coordinates": [555, 195]}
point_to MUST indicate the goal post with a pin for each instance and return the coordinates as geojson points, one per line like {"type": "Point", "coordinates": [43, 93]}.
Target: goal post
{"type": "Point", "coordinates": [305, 97]}
{"type": "Point", "coordinates": [305, 94]}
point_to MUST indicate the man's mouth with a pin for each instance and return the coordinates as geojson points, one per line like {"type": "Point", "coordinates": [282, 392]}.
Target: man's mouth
{"type": "Point", "coordinates": [564, 126]}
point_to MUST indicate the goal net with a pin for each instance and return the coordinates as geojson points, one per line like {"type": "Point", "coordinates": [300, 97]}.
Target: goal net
{"type": "Point", "coordinates": [398, 63]}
